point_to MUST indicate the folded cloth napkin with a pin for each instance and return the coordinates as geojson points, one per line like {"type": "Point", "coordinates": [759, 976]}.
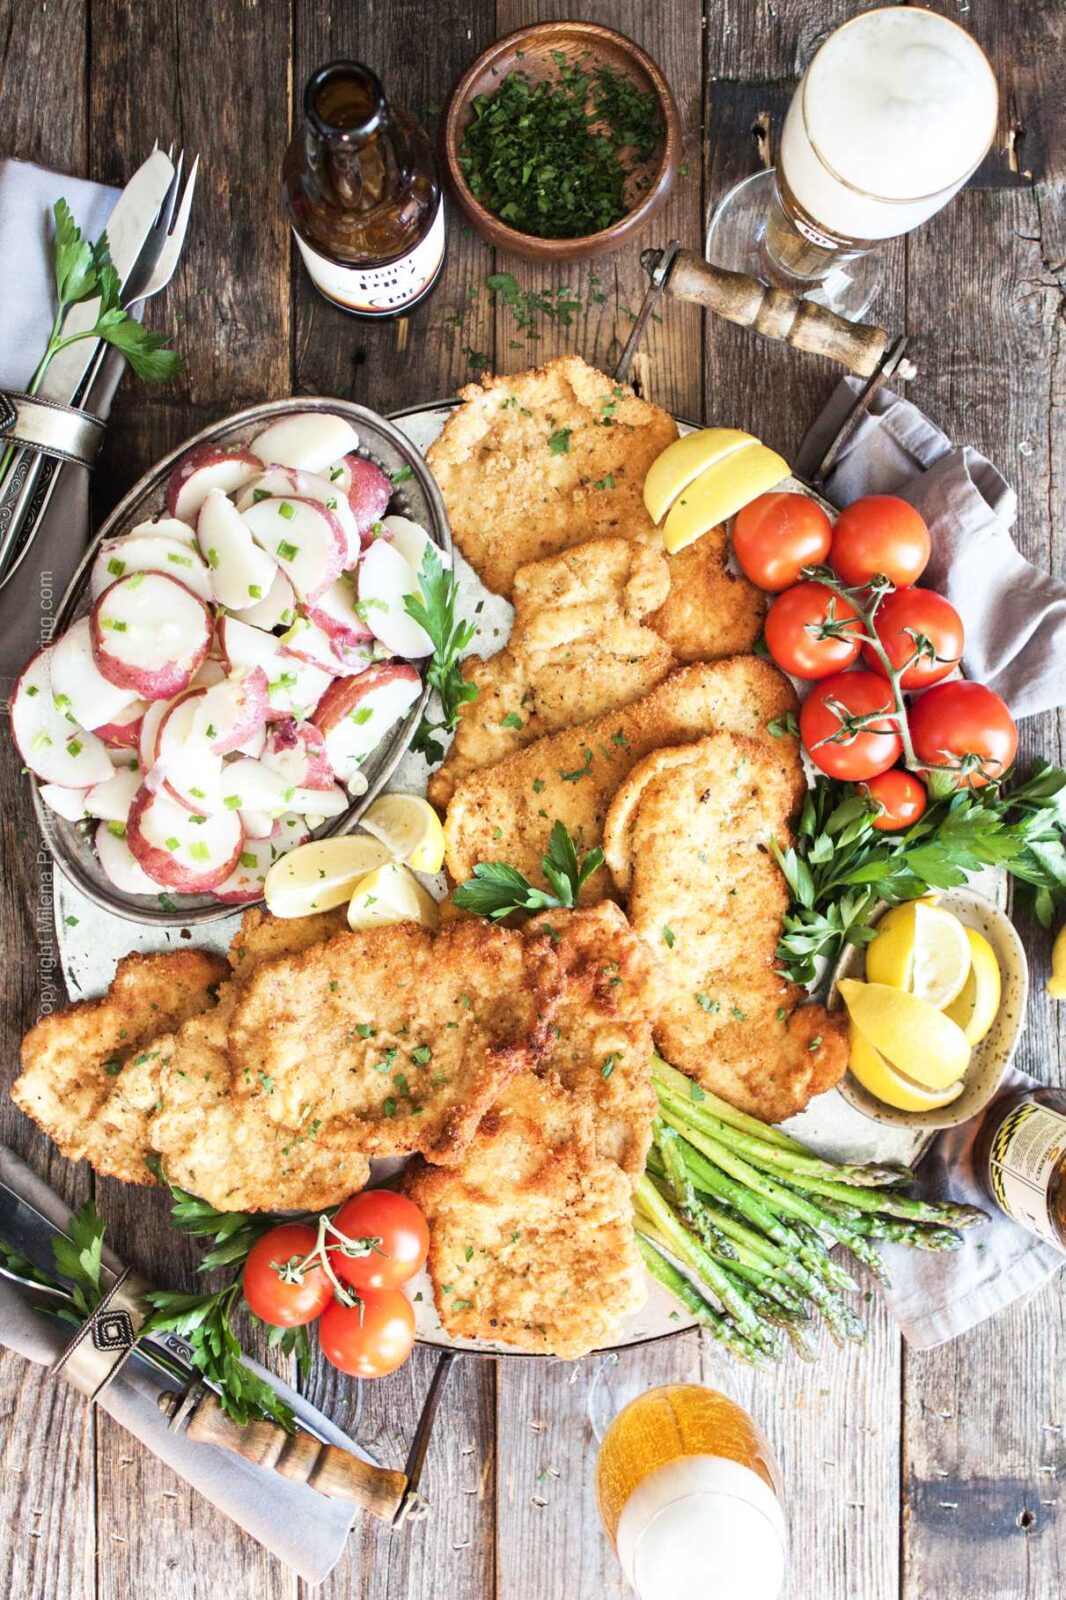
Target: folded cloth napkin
{"type": "Point", "coordinates": [1013, 613]}
{"type": "Point", "coordinates": [299, 1526]}
{"type": "Point", "coordinates": [934, 1298]}
{"type": "Point", "coordinates": [27, 194]}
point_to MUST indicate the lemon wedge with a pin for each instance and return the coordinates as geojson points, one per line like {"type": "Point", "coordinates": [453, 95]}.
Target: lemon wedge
{"type": "Point", "coordinates": [923, 949]}
{"type": "Point", "coordinates": [719, 493]}
{"type": "Point", "coordinates": [409, 828]}
{"type": "Point", "coordinates": [392, 894]}
{"type": "Point", "coordinates": [886, 1084]}
{"type": "Point", "coordinates": [321, 874]}
{"type": "Point", "coordinates": [974, 1007]}
{"type": "Point", "coordinates": [674, 469]}
{"type": "Point", "coordinates": [1056, 984]}
{"type": "Point", "coordinates": [912, 1035]}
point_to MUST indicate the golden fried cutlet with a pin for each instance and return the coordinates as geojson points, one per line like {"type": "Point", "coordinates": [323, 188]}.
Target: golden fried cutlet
{"type": "Point", "coordinates": [506, 812]}
{"type": "Point", "coordinates": [531, 1237]}
{"type": "Point", "coordinates": [602, 1032]}
{"type": "Point", "coordinates": [531, 464]}
{"type": "Point", "coordinates": [689, 837]}
{"type": "Point", "coordinates": [578, 648]}
{"type": "Point", "coordinates": [401, 1038]}
{"type": "Point", "coordinates": [709, 612]}
{"type": "Point", "coordinates": [71, 1059]}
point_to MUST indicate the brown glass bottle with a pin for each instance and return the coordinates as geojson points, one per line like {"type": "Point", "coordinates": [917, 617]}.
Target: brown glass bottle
{"type": "Point", "coordinates": [361, 188]}
{"type": "Point", "coordinates": [1020, 1157]}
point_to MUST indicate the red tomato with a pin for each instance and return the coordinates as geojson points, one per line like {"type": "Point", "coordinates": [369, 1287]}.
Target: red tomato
{"type": "Point", "coordinates": [880, 534]}
{"type": "Point", "coordinates": [919, 624]}
{"type": "Point", "coordinates": [776, 535]}
{"type": "Point", "coordinates": [965, 727]}
{"type": "Point", "coordinates": [900, 795]}
{"type": "Point", "coordinates": [398, 1226]}
{"type": "Point", "coordinates": [273, 1260]}
{"type": "Point", "coordinates": [810, 631]}
{"type": "Point", "coordinates": [836, 747]}
{"type": "Point", "coordinates": [372, 1337]}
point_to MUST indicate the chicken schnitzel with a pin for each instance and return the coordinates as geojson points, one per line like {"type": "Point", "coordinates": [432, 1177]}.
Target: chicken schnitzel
{"type": "Point", "coordinates": [506, 812]}
{"type": "Point", "coordinates": [709, 612]}
{"type": "Point", "coordinates": [531, 1237]}
{"type": "Point", "coordinates": [394, 1036]}
{"type": "Point", "coordinates": [578, 648]}
{"type": "Point", "coordinates": [531, 464]}
{"type": "Point", "coordinates": [687, 838]}
{"type": "Point", "coordinates": [72, 1058]}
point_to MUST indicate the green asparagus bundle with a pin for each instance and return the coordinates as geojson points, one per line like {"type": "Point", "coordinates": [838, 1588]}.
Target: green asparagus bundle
{"type": "Point", "coordinates": [746, 1211]}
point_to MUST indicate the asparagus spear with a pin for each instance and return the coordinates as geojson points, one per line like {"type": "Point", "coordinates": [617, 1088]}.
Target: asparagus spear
{"type": "Point", "coordinates": [676, 1083]}
{"type": "Point", "coordinates": [679, 1286]}
{"type": "Point", "coordinates": [735, 1301]}
{"type": "Point", "coordinates": [684, 1195]}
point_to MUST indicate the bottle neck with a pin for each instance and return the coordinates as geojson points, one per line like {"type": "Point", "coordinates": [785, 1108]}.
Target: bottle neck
{"type": "Point", "coordinates": [357, 149]}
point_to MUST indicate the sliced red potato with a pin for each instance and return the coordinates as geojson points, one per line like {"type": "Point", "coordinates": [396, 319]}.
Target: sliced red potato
{"type": "Point", "coordinates": [117, 860]}
{"type": "Point", "coordinates": [150, 634]}
{"type": "Point", "coordinates": [111, 801]}
{"type": "Point", "coordinates": [297, 752]}
{"type": "Point", "coordinates": [256, 824]}
{"type": "Point", "coordinates": [124, 729]}
{"type": "Point", "coordinates": [257, 857]}
{"type": "Point", "coordinates": [78, 688]}
{"type": "Point", "coordinates": [253, 786]}
{"type": "Point", "coordinates": [288, 482]}
{"type": "Point", "coordinates": [277, 607]}
{"type": "Point", "coordinates": [168, 527]}
{"type": "Point", "coordinates": [50, 743]}
{"type": "Point", "coordinates": [338, 613]}
{"type": "Point", "coordinates": [384, 579]}
{"type": "Point", "coordinates": [355, 714]}
{"type": "Point", "coordinates": [306, 541]}
{"type": "Point", "coordinates": [240, 570]}
{"type": "Point", "coordinates": [294, 687]}
{"type": "Point", "coordinates": [234, 710]}
{"type": "Point", "coordinates": [307, 439]}
{"type": "Point", "coordinates": [208, 673]}
{"type": "Point", "coordinates": [306, 641]}
{"type": "Point", "coordinates": [207, 467]}
{"type": "Point", "coordinates": [369, 493]}
{"type": "Point", "coordinates": [412, 541]}
{"type": "Point", "coordinates": [117, 558]}
{"type": "Point", "coordinates": [147, 744]}
{"type": "Point", "coordinates": [66, 803]}
{"type": "Point", "coordinates": [254, 746]}
{"type": "Point", "coordinates": [189, 769]}
{"type": "Point", "coordinates": [182, 850]}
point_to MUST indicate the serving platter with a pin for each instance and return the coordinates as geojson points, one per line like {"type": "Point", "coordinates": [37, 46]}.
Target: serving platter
{"type": "Point", "coordinates": [91, 939]}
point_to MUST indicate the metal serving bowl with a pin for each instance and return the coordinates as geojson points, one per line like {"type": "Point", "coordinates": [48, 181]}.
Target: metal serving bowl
{"type": "Point", "coordinates": [417, 497]}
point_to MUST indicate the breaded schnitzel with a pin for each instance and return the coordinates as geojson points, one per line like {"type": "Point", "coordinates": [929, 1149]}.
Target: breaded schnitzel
{"type": "Point", "coordinates": [71, 1059]}
{"type": "Point", "coordinates": [506, 812]}
{"type": "Point", "coordinates": [688, 838]}
{"type": "Point", "coordinates": [602, 1032]}
{"type": "Point", "coordinates": [531, 1237]}
{"type": "Point", "coordinates": [709, 612]}
{"type": "Point", "coordinates": [394, 1036]}
{"type": "Point", "coordinates": [578, 648]}
{"type": "Point", "coordinates": [532, 464]}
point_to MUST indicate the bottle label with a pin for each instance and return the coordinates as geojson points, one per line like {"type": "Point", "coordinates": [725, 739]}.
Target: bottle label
{"type": "Point", "coordinates": [1028, 1147]}
{"type": "Point", "coordinates": [379, 291]}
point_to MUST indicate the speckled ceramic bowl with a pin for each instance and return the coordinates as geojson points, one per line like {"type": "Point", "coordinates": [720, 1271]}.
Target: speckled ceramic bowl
{"type": "Point", "coordinates": [990, 1058]}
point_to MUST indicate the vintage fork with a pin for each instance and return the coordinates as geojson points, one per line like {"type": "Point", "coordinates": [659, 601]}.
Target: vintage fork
{"type": "Point", "coordinates": [155, 267]}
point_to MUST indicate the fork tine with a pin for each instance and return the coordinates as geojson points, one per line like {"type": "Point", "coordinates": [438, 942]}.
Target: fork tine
{"type": "Point", "coordinates": [170, 199]}
{"type": "Point", "coordinates": [177, 232]}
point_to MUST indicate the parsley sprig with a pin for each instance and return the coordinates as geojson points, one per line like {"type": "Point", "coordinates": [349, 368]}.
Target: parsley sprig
{"type": "Point", "coordinates": [434, 610]}
{"type": "Point", "coordinates": [840, 867]}
{"type": "Point", "coordinates": [496, 889]}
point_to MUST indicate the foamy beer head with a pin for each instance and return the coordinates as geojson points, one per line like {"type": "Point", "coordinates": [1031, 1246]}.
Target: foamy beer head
{"type": "Point", "coordinates": [895, 111]}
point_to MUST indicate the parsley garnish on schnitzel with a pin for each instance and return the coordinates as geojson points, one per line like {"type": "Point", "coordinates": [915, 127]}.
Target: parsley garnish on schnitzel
{"type": "Point", "coordinates": [495, 890]}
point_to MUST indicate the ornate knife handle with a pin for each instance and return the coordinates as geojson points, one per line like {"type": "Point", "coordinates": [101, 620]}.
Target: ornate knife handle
{"type": "Point", "coordinates": [66, 432]}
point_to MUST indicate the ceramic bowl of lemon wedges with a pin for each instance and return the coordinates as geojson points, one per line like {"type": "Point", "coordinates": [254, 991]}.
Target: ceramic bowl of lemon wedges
{"type": "Point", "coordinates": [935, 1004]}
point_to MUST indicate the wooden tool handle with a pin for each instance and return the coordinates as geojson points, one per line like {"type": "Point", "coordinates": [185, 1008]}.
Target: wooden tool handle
{"type": "Point", "coordinates": [776, 314]}
{"type": "Point", "coordinates": [297, 1456]}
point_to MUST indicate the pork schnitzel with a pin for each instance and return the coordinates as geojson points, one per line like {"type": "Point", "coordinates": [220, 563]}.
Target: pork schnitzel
{"type": "Point", "coordinates": [709, 612]}
{"type": "Point", "coordinates": [393, 1036]}
{"type": "Point", "coordinates": [506, 812]}
{"type": "Point", "coordinates": [531, 1237]}
{"type": "Point", "coordinates": [687, 838]}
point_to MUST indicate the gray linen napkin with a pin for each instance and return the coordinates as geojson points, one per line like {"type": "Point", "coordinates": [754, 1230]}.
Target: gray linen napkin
{"type": "Point", "coordinates": [27, 195]}
{"type": "Point", "coordinates": [934, 1298]}
{"type": "Point", "coordinates": [303, 1529]}
{"type": "Point", "coordinates": [1014, 614]}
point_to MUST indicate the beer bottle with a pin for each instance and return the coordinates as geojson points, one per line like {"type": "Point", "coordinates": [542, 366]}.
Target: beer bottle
{"type": "Point", "coordinates": [1021, 1160]}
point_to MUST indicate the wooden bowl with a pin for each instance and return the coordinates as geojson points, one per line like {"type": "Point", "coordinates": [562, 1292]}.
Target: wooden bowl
{"type": "Point", "coordinates": [535, 51]}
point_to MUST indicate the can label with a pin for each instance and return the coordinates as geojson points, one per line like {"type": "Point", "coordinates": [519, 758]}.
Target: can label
{"type": "Point", "coordinates": [1025, 1156]}
{"type": "Point", "coordinates": [379, 291]}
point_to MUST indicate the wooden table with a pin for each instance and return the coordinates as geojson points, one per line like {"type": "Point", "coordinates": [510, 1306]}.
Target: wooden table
{"type": "Point", "coordinates": [907, 1474]}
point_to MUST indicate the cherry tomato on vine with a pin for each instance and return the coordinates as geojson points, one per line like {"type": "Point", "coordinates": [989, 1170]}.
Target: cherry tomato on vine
{"type": "Point", "coordinates": [371, 1338]}
{"type": "Point", "coordinates": [811, 632]}
{"type": "Point", "coordinates": [834, 727]}
{"type": "Point", "coordinates": [275, 1287]}
{"type": "Point", "coordinates": [920, 626]}
{"type": "Point", "coordinates": [966, 728]}
{"type": "Point", "coordinates": [900, 795]}
{"type": "Point", "coordinates": [396, 1223]}
{"type": "Point", "coordinates": [880, 534]}
{"type": "Point", "coordinates": [776, 535]}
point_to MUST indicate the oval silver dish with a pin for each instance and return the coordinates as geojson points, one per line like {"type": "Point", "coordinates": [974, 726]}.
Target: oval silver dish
{"type": "Point", "coordinates": [417, 497]}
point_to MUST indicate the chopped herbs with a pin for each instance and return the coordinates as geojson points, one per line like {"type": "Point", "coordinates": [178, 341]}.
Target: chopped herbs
{"type": "Point", "coordinates": [559, 442]}
{"type": "Point", "coordinates": [669, 937]}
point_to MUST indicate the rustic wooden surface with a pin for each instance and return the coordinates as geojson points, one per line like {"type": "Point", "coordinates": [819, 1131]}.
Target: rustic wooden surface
{"type": "Point", "coordinates": [908, 1475]}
